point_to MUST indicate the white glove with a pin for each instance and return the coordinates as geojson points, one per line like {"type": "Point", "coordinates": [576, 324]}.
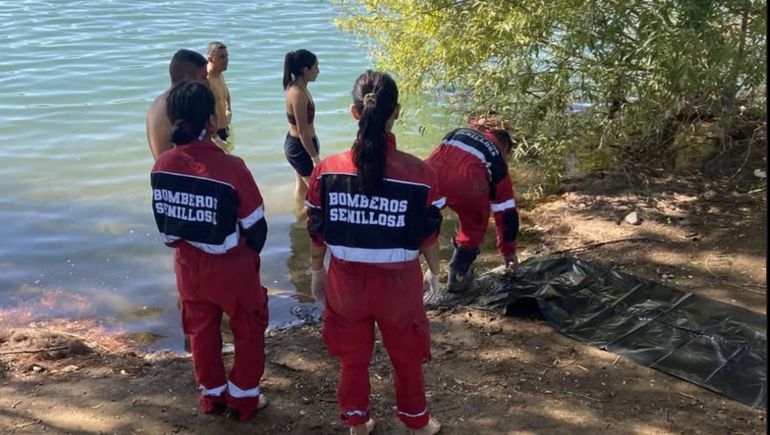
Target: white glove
{"type": "Point", "coordinates": [430, 281]}
{"type": "Point", "coordinates": [318, 284]}
{"type": "Point", "coordinates": [430, 286]}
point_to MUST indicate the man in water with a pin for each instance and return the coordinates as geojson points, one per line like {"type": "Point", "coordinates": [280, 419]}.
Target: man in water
{"type": "Point", "coordinates": [185, 65]}
{"type": "Point", "coordinates": [217, 64]}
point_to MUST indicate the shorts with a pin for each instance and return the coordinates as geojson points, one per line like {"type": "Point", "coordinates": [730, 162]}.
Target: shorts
{"type": "Point", "coordinates": [297, 156]}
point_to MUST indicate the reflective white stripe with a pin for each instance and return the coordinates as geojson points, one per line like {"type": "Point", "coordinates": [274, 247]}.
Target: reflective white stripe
{"type": "Point", "coordinates": [406, 414]}
{"type": "Point", "coordinates": [469, 149]}
{"type": "Point", "coordinates": [365, 255]}
{"type": "Point", "coordinates": [502, 206]}
{"type": "Point", "coordinates": [238, 393]}
{"type": "Point", "coordinates": [230, 242]}
{"type": "Point", "coordinates": [439, 203]}
{"type": "Point", "coordinates": [413, 183]}
{"type": "Point", "coordinates": [386, 179]}
{"type": "Point", "coordinates": [214, 391]}
{"type": "Point", "coordinates": [193, 176]}
{"type": "Point", "coordinates": [321, 175]}
{"type": "Point", "coordinates": [355, 412]}
{"type": "Point", "coordinates": [254, 217]}
{"type": "Point", "coordinates": [309, 204]}
{"type": "Point", "coordinates": [168, 239]}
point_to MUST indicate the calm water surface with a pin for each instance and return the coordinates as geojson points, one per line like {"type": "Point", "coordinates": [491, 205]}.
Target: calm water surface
{"type": "Point", "coordinates": [76, 79]}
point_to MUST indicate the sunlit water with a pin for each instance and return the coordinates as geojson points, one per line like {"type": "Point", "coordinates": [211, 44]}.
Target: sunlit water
{"type": "Point", "coordinates": [76, 79]}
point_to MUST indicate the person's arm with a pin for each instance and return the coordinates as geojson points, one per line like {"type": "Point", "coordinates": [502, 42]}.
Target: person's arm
{"type": "Point", "coordinates": [251, 211]}
{"type": "Point", "coordinates": [432, 224]}
{"type": "Point", "coordinates": [315, 224]}
{"type": "Point", "coordinates": [229, 108]}
{"type": "Point", "coordinates": [430, 253]}
{"type": "Point", "coordinates": [429, 245]}
{"type": "Point", "coordinates": [158, 129]}
{"type": "Point", "coordinates": [314, 211]}
{"type": "Point", "coordinates": [317, 253]}
{"type": "Point", "coordinates": [506, 220]}
{"type": "Point", "coordinates": [298, 102]}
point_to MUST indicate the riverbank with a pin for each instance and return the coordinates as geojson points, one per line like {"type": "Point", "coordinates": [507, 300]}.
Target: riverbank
{"type": "Point", "coordinates": [488, 374]}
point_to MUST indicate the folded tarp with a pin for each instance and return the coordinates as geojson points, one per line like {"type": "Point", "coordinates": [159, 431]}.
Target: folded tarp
{"type": "Point", "coordinates": [715, 345]}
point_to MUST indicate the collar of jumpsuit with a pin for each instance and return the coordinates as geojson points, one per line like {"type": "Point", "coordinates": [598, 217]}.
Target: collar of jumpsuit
{"type": "Point", "coordinates": [204, 143]}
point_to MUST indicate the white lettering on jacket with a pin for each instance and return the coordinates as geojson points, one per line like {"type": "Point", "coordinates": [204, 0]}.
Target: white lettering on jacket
{"type": "Point", "coordinates": [185, 206]}
{"type": "Point", "coordinates": [365, 210]}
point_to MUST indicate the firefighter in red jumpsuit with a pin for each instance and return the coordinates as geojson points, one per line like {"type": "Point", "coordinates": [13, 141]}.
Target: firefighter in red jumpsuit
{"type": "Point", "coordinates": [208, 207]}
{"type": "Point", "coordinates": [375, 209]}
{"type": "Point", "coordinates": [473, 175]}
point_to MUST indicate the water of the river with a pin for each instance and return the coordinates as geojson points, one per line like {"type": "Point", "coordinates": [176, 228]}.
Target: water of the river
{"type": "Point", "coordinates": [76, 79]}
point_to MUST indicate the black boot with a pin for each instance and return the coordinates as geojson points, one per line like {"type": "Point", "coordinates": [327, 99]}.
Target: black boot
{"type": "Point", "coordinates": [460, 273]}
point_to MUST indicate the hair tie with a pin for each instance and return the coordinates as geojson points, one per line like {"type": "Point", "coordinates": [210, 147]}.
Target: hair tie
{"type": "Point", "coordinates": [202, 135]}
{"type": "Point", "coordinates": [370, 98]}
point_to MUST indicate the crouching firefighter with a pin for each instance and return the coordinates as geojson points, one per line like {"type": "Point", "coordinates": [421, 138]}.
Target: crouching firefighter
{"type": "Point", "coordinates": [208, 207]}
{"type": "Point", "coordinates": [473, 176]}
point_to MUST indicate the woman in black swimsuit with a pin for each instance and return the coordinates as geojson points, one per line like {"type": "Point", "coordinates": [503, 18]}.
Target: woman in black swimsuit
{"type": "Point", "coordinates": [301, 146]}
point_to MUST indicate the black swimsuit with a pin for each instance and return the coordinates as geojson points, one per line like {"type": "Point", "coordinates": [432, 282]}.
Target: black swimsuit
{"type": "Point", "coordinates": [297, 155]}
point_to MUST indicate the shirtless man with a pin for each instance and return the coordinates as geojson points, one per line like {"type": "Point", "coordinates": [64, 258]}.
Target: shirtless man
{"type": "Point", "coordinates": [217, 64]}
{"type": "Point", "coordinates": [185, 65]}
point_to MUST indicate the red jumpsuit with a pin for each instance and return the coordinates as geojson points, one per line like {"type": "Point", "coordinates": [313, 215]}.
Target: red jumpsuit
{"type": "Point", "coordinates": [208, 207]}
{"type": "Point", "coordinates": [473, 176]}
{"type": "Point", "coordinates": [375, 275]}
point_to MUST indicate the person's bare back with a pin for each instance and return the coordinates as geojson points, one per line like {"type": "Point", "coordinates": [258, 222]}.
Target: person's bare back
{"type": "Point", "coordinates": [185, 65]}
{"type": "Point", "coordinates": [158, 127]}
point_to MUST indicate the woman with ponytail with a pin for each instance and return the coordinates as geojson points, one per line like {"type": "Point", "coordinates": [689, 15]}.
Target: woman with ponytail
{"type": "Point", "coordinates": [376, 209]}
{"type": "Point", "coordinates": [301, 145]}
{"type": "Point", "coordinates": [208, 207]}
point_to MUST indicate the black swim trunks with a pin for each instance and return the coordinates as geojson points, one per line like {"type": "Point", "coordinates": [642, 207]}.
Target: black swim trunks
{"type": "Point", "coordinates": [223, 133]}
{"type": "Point", "coordinates": [297, 156]}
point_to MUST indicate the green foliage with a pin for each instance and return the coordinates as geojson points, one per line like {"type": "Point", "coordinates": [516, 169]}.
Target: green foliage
{"type": "Point", "coordinates": [656, 60]}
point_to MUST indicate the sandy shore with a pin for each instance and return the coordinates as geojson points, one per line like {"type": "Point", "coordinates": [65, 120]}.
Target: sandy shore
{"type": "Point", "coordinates": [488, 374]}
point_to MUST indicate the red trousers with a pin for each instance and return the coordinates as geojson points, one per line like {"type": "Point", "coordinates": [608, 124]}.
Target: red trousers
{"type": "Point", "coordinates": [359, 295]}
{"type": "Point", "coordinates": [466, 189]}
{"type": "Point", "coordinates": [208, 286]}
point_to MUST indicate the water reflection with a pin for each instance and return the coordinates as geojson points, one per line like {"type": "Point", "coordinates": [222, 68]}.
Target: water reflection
{"type": "Point", "coordinates": [298, 262]}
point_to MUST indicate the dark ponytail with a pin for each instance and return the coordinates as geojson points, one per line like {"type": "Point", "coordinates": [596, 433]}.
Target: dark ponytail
{"type": "Point", "coordinates": [293, 64]}
{"type": "Point", "coordinates": [189, 106]}
{"type": "Point", "coordinates": [375, 96]}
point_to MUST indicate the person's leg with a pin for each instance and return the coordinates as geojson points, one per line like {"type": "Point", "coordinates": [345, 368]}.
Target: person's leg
{"type": "Point", "coordinates": [248, 323]}
{"type": "Point", "coordinates": [349, 335]}
{"type": "Point", "coordinates": [354, 346]}
{"type": "Point", "coordinates": [473, 213]}
{"type": "Point", "coordinates": [300, 160]}
{"type": "Point", "coordinates": [405, 333]}
{"type": "Point", "coordinates": [201, 322]}
{"type": "Point", "coordinates": [300, 188]}
{"type": "Point", "coordinates": [233, 282]}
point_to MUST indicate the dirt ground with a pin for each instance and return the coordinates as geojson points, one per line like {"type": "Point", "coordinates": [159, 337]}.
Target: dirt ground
{"type": "Point", "coordinates": [488, 374]}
